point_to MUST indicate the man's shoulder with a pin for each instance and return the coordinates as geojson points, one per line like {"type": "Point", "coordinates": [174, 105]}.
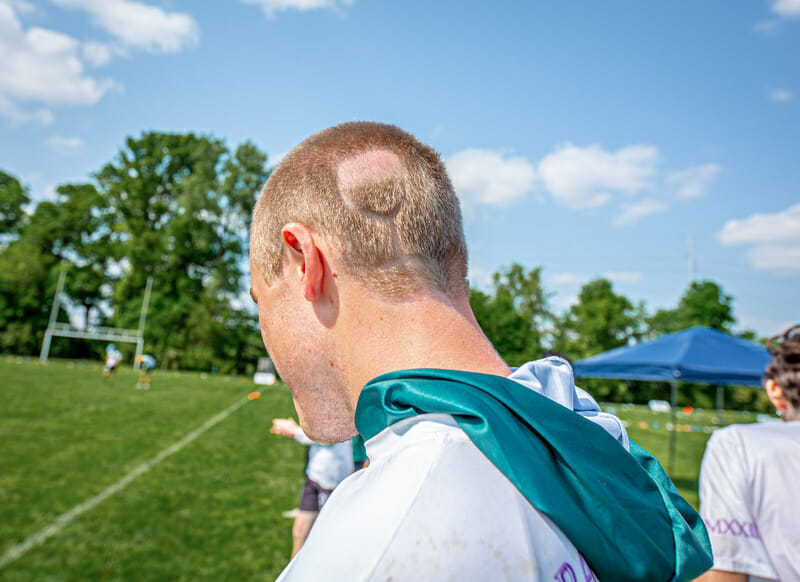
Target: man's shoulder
{"type": "Point", "coordinates": [433, 496]}
{"type": "Point", "coordinates": [749, 446]}
{"type": "Point", "coordinates": [410, 454]}
{"type": "Point", "coordinates": [756, 432]}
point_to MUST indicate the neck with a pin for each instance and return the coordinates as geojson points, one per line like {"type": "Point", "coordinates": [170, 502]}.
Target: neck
{"type": "Point", "coordinates": [428, 330]}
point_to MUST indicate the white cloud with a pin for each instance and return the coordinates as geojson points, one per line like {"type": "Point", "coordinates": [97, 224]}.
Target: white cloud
{"type": "Point", "coordinates": [780, 227]}
{"type": "Point", "coordinates": [693, 182]}
{"type": "Point", "coordinates": [15, 116]}
{"type": "Point", "coordinates": [786, 8]}
{"type": "Point", "coordinates": [41, 65]}
{"type": "Point", "coordinates": [139, 25]}
{"type": "Point", "coordinates": [96, 54]}
{"type": "Point", "coordinates": [780, 95]}
{"type": "Point", "coordinates": [775, 239]}
{"type": "Point", "coordinates": [767, 27]}
{"type": "Point", "coordinates": [783, 258]}
{"type": "Point", "coordinates": [623, 276]}
{"type": "Point", "coordinates": [568, 279]}
{"type": "Point", "coordinates": [589, 177]}
{"type": "Point", "coordinates": [634, 212]}
{"type": "Point", "coordinates": [578, 178]}
{"type": "Point", "coordinates": [272, 7]}
{"type": "Point", "coordinates": [489, 177]}
{"type": "Point", "coordinates": [64, 145]}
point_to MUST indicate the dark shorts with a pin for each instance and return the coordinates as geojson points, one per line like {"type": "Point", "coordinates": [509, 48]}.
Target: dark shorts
{"type": "Point", "coordinates": [313, 497]}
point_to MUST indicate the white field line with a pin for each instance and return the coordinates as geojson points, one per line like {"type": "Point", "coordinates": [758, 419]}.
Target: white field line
{"type": "Point", "coordinates": [64, 519]}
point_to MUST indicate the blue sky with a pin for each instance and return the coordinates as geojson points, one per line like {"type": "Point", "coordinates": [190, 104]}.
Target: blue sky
{"type": "Point", "coordinates": [590, 138]}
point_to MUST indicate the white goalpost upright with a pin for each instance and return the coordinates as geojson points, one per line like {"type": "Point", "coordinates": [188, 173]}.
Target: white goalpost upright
{"type": "Point", "coordinates": [113, 334]}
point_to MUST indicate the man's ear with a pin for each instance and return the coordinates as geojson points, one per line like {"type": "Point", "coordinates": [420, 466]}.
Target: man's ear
{"type": "Point", "coordinates": [775, 394]}
{"type": "Point", "coordinates": [304, 258]}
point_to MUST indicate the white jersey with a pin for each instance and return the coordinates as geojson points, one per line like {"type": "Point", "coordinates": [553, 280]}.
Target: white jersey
{"type": "Point", "coordinates": [327, 465]}
{"type": "Point", "coordinates": [113, 357]}
{"type": "Point", "coordinates": [431, 506]}
{"type": "Point", "coordinates": [748, 484]}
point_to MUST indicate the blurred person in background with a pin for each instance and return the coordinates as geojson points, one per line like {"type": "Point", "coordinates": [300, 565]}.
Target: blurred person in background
{"type": "Point", "coordinates": [146, 365]}
{"type": "Point", "coordinates": [113, 359]}
{"type": "Point", "coordinates": [748, 482]}
{"type": "Point", "coordinates": [326, 466]}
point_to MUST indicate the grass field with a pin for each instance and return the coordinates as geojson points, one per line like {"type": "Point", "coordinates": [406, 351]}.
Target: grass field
{"type": "Point", "coordinates": [211, 510]}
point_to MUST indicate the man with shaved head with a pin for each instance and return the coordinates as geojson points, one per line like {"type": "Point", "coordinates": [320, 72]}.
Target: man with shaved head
{"type": "Point", "coordinates": [477, 472]}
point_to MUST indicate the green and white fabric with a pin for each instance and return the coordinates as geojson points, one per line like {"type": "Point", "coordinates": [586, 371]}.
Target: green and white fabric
{"type": "Point", "coordinates": [477, 477]}
{"type": "Point", "coordinates": [619, 509]}
{"type": "Point", "coordinates": [431, 506]}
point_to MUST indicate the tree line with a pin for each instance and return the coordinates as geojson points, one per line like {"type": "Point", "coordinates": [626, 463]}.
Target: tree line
{"type": "Point", "coordinates": [176, 207]}
{"type": "Point", "coordinates": [517, 318]}
{"type": "Point", "coordinates": [168, 206]}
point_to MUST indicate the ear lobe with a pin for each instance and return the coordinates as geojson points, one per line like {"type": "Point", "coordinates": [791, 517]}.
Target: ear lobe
{"type": "Point", "coordinates": [305, 254]}
{"type": "Point", "coordinates": [775, 395]}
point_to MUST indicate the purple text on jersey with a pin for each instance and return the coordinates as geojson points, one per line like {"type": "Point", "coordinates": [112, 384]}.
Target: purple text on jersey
{"type": "Point", "coordinates": [733, 527]}
{"type": "Point", "coordinates": [566, 573]}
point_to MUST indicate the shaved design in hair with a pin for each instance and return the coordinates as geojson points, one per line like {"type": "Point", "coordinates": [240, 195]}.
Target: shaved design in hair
{"type": "Point", "coordinates": [384, 200]}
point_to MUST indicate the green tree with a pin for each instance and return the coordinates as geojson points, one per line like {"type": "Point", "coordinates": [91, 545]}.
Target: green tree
{"type": "Point", "coordinates": [25, 268]}
{"type": "Point", "coordinates": [181, 205]}
{"type": "Point", "coordinates": [75, 231]}
{"type": "Point", "coordinates": [13, 198]}
{"type": "Point", "coordinates": [25, 283]}
{"type": "Point", "coordinates": [601, 320]}
{"type": "Point", "coordinates": [516, 318]}
{"type": "Point", "coordinates": [704, 303]}
{"type": "Point", "coordinates": [524, 290]}
{"type": "Point", "coordinates": [64, 233]}
{"type": "Point", "coordinates": [169, 206]}
{"type": "Point", "coordinates": [508, 331]}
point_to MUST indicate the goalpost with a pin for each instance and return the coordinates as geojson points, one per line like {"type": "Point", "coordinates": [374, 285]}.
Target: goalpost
{"type": "Point", "coordinates": [112, 334]}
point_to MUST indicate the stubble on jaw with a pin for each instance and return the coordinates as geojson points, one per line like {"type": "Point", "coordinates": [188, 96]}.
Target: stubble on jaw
{"type": "Point", "coordinates": [325, 414]}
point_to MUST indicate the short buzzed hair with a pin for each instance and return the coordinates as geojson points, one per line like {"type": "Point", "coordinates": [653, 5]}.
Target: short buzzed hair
{"type": "Point", "coordinates": [383, 199]}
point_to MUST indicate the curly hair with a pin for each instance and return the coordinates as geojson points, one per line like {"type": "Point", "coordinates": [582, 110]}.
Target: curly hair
{"type": "Point", "coordinates": [784, 368]}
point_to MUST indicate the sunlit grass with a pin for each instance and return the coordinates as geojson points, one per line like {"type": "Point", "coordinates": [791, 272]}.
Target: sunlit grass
{"type": "Point", "coordinates": [211, 511]}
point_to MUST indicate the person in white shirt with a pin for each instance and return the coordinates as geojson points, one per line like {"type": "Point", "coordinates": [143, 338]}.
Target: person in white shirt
{"type": "Point", "coordinates": [358, 266]}
{"type": "Point", "coordinates": [113, 359]}
{"type": "Point", "coordinates": [326, 467]}
{"type": "Point", "coordinates": [748, 478]}
{"type": "Point", "coordinates": [430, 498]}
{"type": "Point", "coordinates": [146, 365]}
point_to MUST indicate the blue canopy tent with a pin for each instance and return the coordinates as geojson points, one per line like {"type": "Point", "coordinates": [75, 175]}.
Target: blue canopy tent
{"type": "Point", "coordinates": [699, 354]}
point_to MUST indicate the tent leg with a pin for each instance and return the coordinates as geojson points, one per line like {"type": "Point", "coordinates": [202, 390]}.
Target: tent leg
{"type": "Point", "coordinates": [673, 433]}
{"type": "Point", "coordinates": [720, 398]}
